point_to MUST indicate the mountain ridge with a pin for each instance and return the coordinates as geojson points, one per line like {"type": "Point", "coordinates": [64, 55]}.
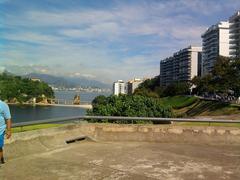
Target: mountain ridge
{"type": "Point", "coordinates": [68, 82]}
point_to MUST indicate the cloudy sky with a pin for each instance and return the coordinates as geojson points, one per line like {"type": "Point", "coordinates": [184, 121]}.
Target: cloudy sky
{"type": "Point", "coordinates": [102, 39]}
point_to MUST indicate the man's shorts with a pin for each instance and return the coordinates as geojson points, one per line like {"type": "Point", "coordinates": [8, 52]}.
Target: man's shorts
{"type": "Point", "coordinates": [2, 139]}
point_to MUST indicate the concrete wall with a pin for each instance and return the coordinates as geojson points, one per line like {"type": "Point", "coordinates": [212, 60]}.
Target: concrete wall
{"type": "Point", "coordinates": [162, 133]}
{"type": "Point", "coordinates": [224, 42]}
{"type": "Point", "coordinates": [194, 64]}
{"type": "Point", "coordinates": [149, 133]}
{"type": "Point", "coordinates": [33, 142]}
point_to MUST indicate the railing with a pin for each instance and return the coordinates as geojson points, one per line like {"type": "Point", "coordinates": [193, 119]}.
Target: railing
{"type": "Point", "coordinates": [120, 118]}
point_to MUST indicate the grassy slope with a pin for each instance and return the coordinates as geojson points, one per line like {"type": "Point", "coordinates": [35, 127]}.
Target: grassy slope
{"type": "Point", "coordinates": [178, 102]}
{"type": "Point", "coordinates": [211, 108]}
{"type": "Point", "coordinates": [185, 106]}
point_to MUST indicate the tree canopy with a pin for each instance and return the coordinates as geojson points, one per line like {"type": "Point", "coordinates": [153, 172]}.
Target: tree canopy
{"type": "Point", "coordinates": [152, 88]}
{"type": "Point", "coordinates": [22, 89]}
{"type": "Point", "coordinates": [129, 105]}
{"type": "Point", "coordinates": [224, 78]}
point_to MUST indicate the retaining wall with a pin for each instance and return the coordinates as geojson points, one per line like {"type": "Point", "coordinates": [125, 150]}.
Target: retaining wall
{"type": "Point", "coordinates": [149, 133]}
{"type": "Point", "coordinates": [32, 142]}
{"type": "Point", "coordinates": [162, 133]}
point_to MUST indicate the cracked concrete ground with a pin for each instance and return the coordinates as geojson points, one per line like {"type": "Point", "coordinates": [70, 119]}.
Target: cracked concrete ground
{"type": "Point", "coordinates": [126, 160]}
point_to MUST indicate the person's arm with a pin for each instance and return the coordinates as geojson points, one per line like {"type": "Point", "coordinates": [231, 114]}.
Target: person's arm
{"type": "Point", "coordinates": [7, 116]}
{"type": "Point", "coordinates": [9, 131]}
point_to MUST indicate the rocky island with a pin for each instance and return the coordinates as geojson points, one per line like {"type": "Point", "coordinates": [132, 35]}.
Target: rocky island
{"type": "Point", "coordinates": [18, 90]}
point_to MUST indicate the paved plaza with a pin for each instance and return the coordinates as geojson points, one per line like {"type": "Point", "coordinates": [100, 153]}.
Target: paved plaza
{"type": "Point", "coordinates": [125, 160]}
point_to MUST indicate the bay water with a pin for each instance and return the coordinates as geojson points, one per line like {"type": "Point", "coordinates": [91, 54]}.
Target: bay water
{"type": "Point", "coordinates": [25, 113]}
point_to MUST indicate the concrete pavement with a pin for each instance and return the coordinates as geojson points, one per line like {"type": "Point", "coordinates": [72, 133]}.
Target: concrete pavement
{"type": "Point", "coordinates": [123, 152]}
{"type": "Point", "coordinates": [126, 160]}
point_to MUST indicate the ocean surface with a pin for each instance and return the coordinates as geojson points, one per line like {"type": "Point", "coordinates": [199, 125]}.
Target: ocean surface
{"type": "Point", "coordinates": [31, 113]}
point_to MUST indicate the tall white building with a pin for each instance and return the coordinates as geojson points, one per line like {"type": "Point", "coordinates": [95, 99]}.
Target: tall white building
{"type": "Point", "coordinates": [119, 87]}
{"type": "Point", "coordinates": [133, 84]}
{"type": "Point", "coordinates": [181, 67]}
{"type": "Point", "coordinates": [215, 42]}
{"type": "Point", "coordinates": [234, 35]}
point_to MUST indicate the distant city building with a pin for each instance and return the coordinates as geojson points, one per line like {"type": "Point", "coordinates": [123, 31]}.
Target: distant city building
{"type": "Point", "coordinates": [215, 42]}
{"type": "Point", "coordinates": [133, 84]}
{"type": "Point", "coordinates": [234, 35]}
{"type": "Point", "coordinates": [181, 67]}
{"type": "Point", "coordinates": [119, 87]}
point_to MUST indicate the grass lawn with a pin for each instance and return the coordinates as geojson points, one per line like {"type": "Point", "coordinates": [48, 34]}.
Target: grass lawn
{"type": "Point", "coordinates": [178, 102]}
{"type": "Point", "coordinates": [212, 108]}
{"type": "Point", "coordinates": [190, 106]}
{"type": "Point", "coordinates": [35, 127]}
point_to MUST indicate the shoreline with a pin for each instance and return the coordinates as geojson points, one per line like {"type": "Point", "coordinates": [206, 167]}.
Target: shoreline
{"type": "Point", "coordinates": [84, 106]}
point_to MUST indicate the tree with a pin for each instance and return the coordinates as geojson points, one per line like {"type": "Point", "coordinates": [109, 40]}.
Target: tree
{"type": "Point", "coordinates": [234, 76]}
{"type": "Point", "coordinates": [125, 105]}
{"type": "Point", "coordinates": [203, 84]}
{"type": "Point", "coordinates": [22, 89]}
{"type": "Point", "coordinates": [224, 78]}
{"type": "Point", "coordinates": [150, 88]}
{"type": "Point", "coordinates": [178, 88]}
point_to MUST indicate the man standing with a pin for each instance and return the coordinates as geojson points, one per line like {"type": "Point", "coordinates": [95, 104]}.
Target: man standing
{"type": "Point", "coordinates": [5, 126]}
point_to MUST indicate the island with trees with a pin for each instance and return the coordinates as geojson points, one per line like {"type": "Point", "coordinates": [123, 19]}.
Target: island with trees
{"type": "Point", "coordinates": [15, 89]}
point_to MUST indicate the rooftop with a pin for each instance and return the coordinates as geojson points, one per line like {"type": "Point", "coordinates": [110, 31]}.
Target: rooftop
{"type": "Point", "coordinates": [123, 152]}
{"type": "Point", "coordinates": [220, 25]}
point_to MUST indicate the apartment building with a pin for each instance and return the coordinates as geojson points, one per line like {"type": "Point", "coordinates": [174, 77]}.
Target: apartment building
{"type": "Point", "coordinates": [215, 42]}
{"type": "Point", "coordinates": [181, 67]}
{"type": "Point", "coordinates": [234, 35]}
{"type": "Point", "coordinates": [133, 84]}
{"type": "Point", "coordinates": [119, 87]}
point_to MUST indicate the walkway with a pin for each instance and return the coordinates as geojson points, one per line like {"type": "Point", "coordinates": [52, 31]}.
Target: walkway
{"type": "Point", "coordinates": [126, 160]}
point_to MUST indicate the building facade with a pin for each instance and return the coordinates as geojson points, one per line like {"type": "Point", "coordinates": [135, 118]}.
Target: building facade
{"type": "Point", "coordinates": [234, 35]}
{"type": "Point", "coordinates": [133, 84]}
{"type": "Point", "coordinates": [181, 67]}
{"type": "Point", "coordinates": [215, 42]}
{"type": "Point", "coordinates": [119, 87]}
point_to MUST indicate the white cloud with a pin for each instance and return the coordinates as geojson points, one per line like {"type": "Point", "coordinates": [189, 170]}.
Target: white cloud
{"type": "Point", "coordinates": [78, 74]}
{"type": "Point", "coordinates": [65, 18]}
{"type": "Point", "coordinates": [106, 43]}
{"type": "Point", "coordinates": [2, 69]}
{"type": "Point", "coordinates": [106, 29]}
{"type": "Point", "coordinates": [32, 37]}
{"type": "Point", "coordinates": [26, 69]}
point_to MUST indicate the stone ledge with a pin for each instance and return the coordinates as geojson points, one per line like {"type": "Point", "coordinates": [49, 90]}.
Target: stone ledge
{"type": "Point", "coordinates": [134, 132]}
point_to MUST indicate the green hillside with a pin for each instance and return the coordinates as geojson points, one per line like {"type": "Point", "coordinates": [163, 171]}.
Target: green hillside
{"type": "Point", "coordinates": [186, 106]}
{"type": "Point", "coordinates": [18, 89]}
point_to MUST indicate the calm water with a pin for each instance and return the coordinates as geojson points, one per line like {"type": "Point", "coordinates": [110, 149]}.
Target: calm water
{"type": "Point", "coordinates": [30, 113]}
{"type": "Point", "coordinates": [85, 96]}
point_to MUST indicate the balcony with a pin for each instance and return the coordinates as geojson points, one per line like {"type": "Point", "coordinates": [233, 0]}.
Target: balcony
{"type": "Point", "coordinates": [233, 31]}
{"type": "Point", "coordinates": [235, 35]}
{"type": "Point", "coordinates": [233, 53]}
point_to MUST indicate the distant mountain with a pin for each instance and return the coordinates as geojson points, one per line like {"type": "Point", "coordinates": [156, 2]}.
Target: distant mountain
{"type": "Point", "coordinates": [68, 82]}
{"type": "Point", "coordinates": [84, 82]}
{"type": "Point", "coordinates": [50, 79]}
{"type": "Point", "coordinates": [7, 72]}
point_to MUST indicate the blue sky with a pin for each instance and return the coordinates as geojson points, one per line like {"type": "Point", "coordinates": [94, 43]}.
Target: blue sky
{"type": "Point", "coordinates": [102, 39]}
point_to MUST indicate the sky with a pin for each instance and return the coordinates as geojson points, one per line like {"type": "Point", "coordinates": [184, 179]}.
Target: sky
{"type": "Point", "coordinates": [105, 40]}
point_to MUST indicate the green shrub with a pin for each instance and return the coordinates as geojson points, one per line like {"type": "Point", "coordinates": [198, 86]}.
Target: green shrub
{"type": "Point", "coordinates": [131, 106]}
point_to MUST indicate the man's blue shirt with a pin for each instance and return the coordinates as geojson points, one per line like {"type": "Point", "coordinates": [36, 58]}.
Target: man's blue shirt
{"type": "Point", "coordinates": [4, 115]}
